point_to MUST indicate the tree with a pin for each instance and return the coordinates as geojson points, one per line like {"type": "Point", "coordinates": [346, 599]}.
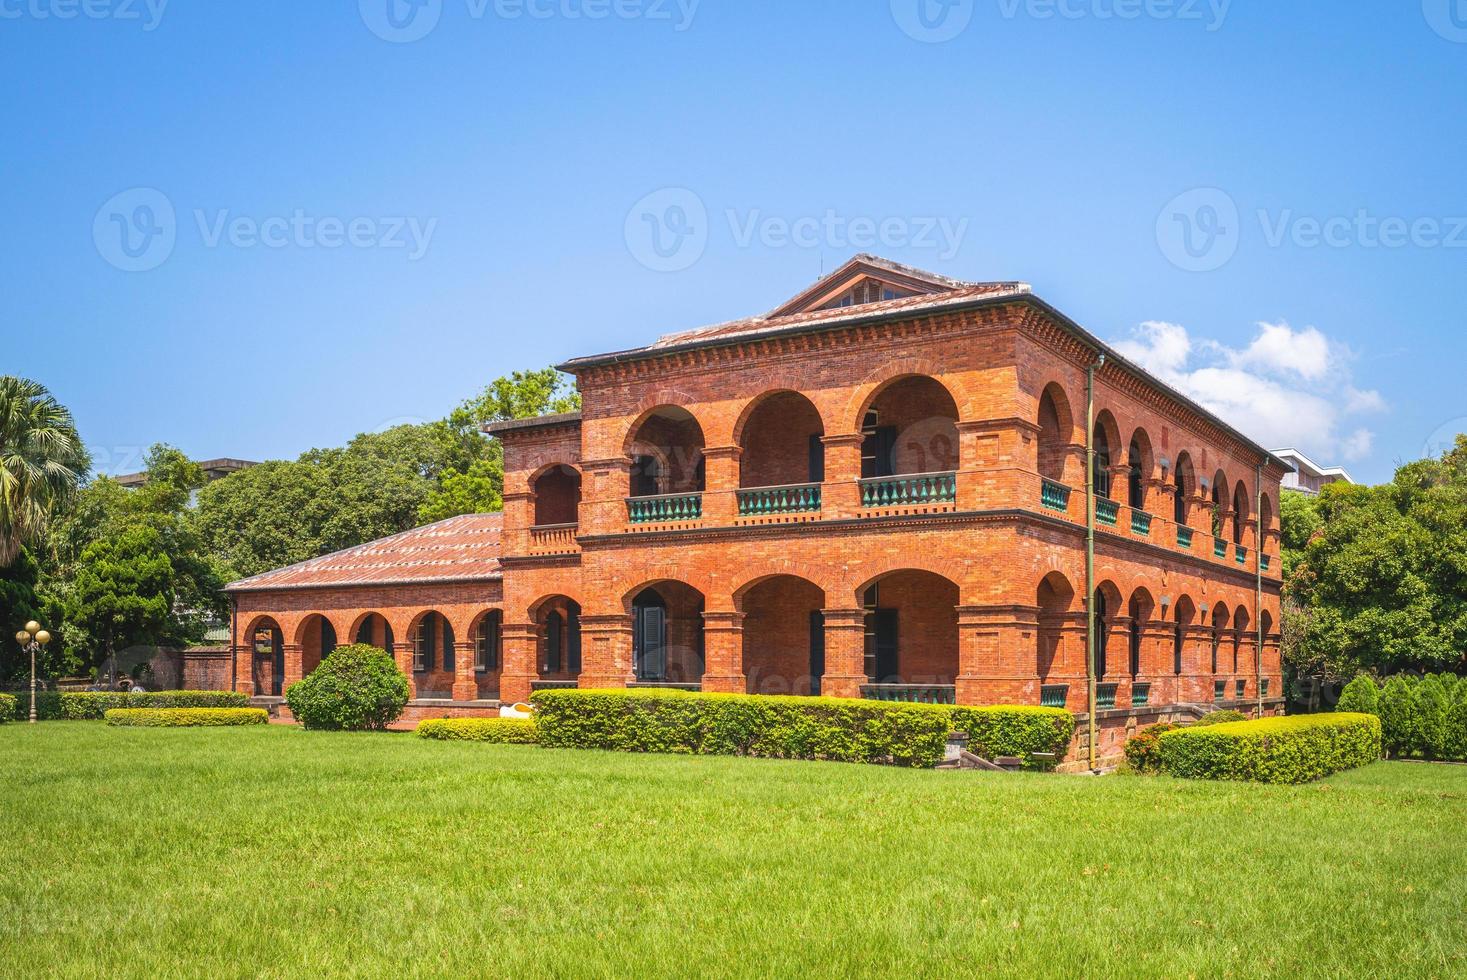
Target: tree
{"type": "Point", "coordinates": [1399, 730]}
{"type": "Point", "coordinates": [19, 603]}
{"type": "Point", "coordinates": [1431, 712]}
{"type": "Point", "coordinates": [1299, 521]}
{"type": "Point", "coordinates": [123, 592]}
{"type": "Point", "coordinates": [42, 462]}
{"type": "Point", "coordinates": [1360, 695]}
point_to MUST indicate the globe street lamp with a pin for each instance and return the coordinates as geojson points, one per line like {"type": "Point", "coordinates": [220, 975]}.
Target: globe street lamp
{"type": "Point", "coordinates": [31, 639]}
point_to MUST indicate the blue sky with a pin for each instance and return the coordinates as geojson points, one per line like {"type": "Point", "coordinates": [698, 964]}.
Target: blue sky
{"type": "Point", "coordinates": [368, 225]}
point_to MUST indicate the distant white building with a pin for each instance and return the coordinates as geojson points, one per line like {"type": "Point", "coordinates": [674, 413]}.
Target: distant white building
{"type": "Point", "coordinates": [1308, 476]}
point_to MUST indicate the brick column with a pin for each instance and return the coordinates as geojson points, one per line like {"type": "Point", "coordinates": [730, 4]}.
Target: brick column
{"type": "Point", "coordinates": [1158, 641]}
{"type": "Point", "coordinates": [1196, 680]}
{"type": "Point", "coordinates": [840, 494]}
{"type": "Point", "coordinates": [845, 653]}
{"type": "Point", "coordinates": [606, 651]}
{"type": "Point", "coordinates": [998, 655]}
{"type": "Point", "coordinates": [721, 476]}
{"type": "Point", "coordinates": [244, 672]}
{"type": "Point", "coordinates": [519, 515]}
{"type": "Point", "coordinates": [1161, 499]}
{"type": "Point", "coordinates": [520, 648]}
{"type": "Point", "coordinates": [294, 666]}
{"type": "Point", "coordinates": [1118, 658]}
{"type": "Point", "coordinates": [723, 647]}
{"type": "Point", "coordinates": [1071, 666]}
{"type": "Point", "coordinates": [402, 652]}
{"type": "Point", "coordinates": [605, 484]}
{"type": "Point", "coordinates": [465, 684]}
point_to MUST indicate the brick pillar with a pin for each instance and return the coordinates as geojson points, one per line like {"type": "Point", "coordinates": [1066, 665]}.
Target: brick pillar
{"type": "Point", "coordinates": [840, 494]}
{"type": "Point", "coordinates": [519, 515]}
{"type": "Point", "coordinates": [520, 647]}
{"type": "Point", "coordinates": [606, 651]}
{"type": "Point", "coordinates": [244, 662]}
{"type": "Point", "coordinates": [721, 474]}
{"type": "Point", "coordinates": [723, 646]}
{"type": "Point", "coordinates": [1161, 503]}
{"type": "Point", "coordinates": [1118, 658]}
{"type": "Point", "coordinates": [294, 665]}
{"type": "Point", "coordinates": [1248, 664]}
{"type": "Point", "coordinates": [845, 653]}
{"type": "Point", "coordinates": [1196, 679]}
{"type": "Point", "coordinates": [1158, 642]}
{"type": "Point", "coordinates": [605, 484]}
{"type": "Point", "coordinates": [991, 452]}
{"type": "Point", "coordinates": [998, 655]}
{"type": "Point", "coordinates": [402, 652]}
{"type": "Point", "coordinates": [465, 684]}
{"type": "Point", "coordinates": [1071, 666]}
{"type": "Point", "coordinates": [1120, 483]}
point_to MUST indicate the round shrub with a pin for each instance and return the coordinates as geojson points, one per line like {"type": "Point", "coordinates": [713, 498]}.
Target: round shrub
{"type": "Point", "coordinates": [1143, 748]}
{"type": "Point", "coordinates": [1361, 696]}
{"type": "Point", "coordinates": [356, 688]}
{"type": "Point", "coordinates": [1220, 718]}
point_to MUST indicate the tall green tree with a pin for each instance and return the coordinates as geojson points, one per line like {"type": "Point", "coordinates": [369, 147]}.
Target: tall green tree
{"type": "Point", "coordinates": [123, 592]}
{"type": "Point", "coordinates": [42, 463]}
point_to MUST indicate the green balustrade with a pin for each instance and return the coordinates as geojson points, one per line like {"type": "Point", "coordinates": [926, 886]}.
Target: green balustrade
{"type": "Point", "coordinates": [1264, 561]}
{"type": "Point", "coordinates": [1140, 694]}
{"type": "Point", "coordinates": [1054, 496]}
{"type": "Point", "coordinates": [1107, 512]}
{"type": "Point", "coordinates": [1184, 537]}
{"type": "Point", "coordinates": [1054, 695]}
{"type": "Point", "coordinates": [911, 693]}
{"type": "Point", "coordinates": [1242, 689]}
{"type": "Point", "coordinates": [1242, 555]}
{"type": "Point", "coordinates": [764, 501]}
{"type": "Point", "coordinates": [922, 488]}
{"type": "Point", "coordinates": [665, 509]}
{"type": "Point", "coordinates": [1219, 690]}
{"type": "Point", "coordinates": [1105, 696]}
{"type": "Point", "coordinates": [1140, 522]}
{"type": "Point", "coordinates": [1219, 547]}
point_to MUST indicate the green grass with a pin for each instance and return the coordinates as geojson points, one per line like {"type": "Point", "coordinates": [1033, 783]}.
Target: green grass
{"type": "Point", "coordinates": [279, 852]}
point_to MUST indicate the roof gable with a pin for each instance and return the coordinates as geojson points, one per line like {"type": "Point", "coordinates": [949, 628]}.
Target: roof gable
{"type": "Point", "coordinates": [866, 279]}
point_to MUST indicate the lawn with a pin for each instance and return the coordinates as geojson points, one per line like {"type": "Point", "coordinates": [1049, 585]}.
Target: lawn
{"type": "Point", "coordinates": [274, 851]}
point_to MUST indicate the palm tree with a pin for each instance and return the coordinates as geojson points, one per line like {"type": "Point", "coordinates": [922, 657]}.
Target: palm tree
{"type": "Point", "coordinates": [42, 462]}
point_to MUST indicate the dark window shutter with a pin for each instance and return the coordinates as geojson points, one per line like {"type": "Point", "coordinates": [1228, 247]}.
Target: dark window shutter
{"type": "Point", "coordinates": [817, 649]}
{"type": "Point", "coordinates": [816, 466]}
{"type": "Point", "coordinates": [450, 657]}
{"type": "Point", "coordinates": [573, 641]}
{"type": "Point", "coordinates": [552, 643]}
{"type": "Point", "coordinates": [888, 667]}
{"type": "Point", "coordinates": [387, 635]}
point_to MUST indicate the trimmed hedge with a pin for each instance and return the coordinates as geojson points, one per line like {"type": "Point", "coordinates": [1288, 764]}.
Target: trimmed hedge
{"type": "Point", "coordinates": [48, 705]}
{"type": "Point", "coordinates": [1016, 730]}
{"type": "Point", "coordinates": [1297, 749]}
{"type": "Point", "coordinates": [185, 717]}
{"type": "Point", "coordinates": [763, 726]}
{"type": "Point", "coordinates": [503, 731]}
{"type": "Point", "coordinates": [1143, 750]}
{"type": "Point", "coordinates": [1225, 717]}
{"type": "Point", "coordinates": [93, 705]}
{"type": "Point", "coordinates": [7, 708]}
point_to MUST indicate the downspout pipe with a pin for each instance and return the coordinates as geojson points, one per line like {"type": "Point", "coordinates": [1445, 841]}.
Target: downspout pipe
{"type": "Point", "coordinates": [233, 642]}
{"type": "Point", "coordinates": [1258, 593]}
{"type": "Point", "coordinates": [1090, 664]}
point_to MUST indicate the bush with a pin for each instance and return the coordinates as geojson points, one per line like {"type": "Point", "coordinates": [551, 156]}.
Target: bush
{"type": "Point", "coordinates": [1143, 750]}
{"type": "Point", "coordinates": [776, 727]}
{"type": "Point", "coordinates": [48, 705]}
{"type": "Point", "coordinates": [185, 717]}
{"type": "Point", "coordinates": [92, 705]}
{"type": "Point", "coordinates": [7, 708]}
{"type": "Point", "coordinates": [1226, 717]}
{"type": "Point", "coordinates": [504, 731]}
{"type": "Point", "coordinates": [1399, 727]}
{"type": "Point", "coordinates": [1360, 696]}
{"type": "Point", "coordinates": [1431, 714]}
{"type": "Point", "coordinates": [356, 688]}
{"type": "Point", "coordinates": [1017, 731]}
{"type": "Point", "coordinates": [1273, 750]}
{"type": "Point", "coordinates": [1454, 736]}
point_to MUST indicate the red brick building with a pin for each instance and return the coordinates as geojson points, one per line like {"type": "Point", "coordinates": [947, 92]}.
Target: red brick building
{"type": "Point", "coordinates": [876, 490]}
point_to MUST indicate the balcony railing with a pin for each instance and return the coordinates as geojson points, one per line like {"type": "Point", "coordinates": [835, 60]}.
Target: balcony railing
{"type": "Point", "coordinates": [1140, 522]}
{"type": "Point", "coordinates": [1264, 561]}
{"type": "Point", "coordinates": [1105, 696]}
{"type": "Point", "coordinates": [1242, 689]}
{"type": "Point", "coordinates": [1242, 555]}
{"type": "Point", "coordinates": [553, 538]}
{"type": "Point", "coordinates": [1219, 690]}
{"type": "Point", "coordinates": [762, 501]}
{"type": "Point", "coordinates": [1054, 496]}
{"type": "Point", "coordinates": [1054, 695]}
{"type": "Point", "coordinates": [1184, 537]}
{"type": "Point", "coordinates": [1107, 511]}
{"type": "Point", "coordinates": [1140, 695]}
{"type": "Point", "coordinates": [920, 488]}
{"type": "Point", "coordinates": [911, 693]}
{"type": "Point", "coordinates": [665, 509]}
{"type": "Point", "coordinates": [1219, 547]}
{"type": "Point", "coordinates": [1263, 688]}
{"type": "Point", "coordinates": [665, 686]}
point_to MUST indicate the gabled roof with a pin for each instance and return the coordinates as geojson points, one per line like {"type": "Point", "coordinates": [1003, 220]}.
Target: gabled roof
{"type": "Point", "coordinates": [906, 278]}
{"type": "Point", "coordinates": [460, 549]}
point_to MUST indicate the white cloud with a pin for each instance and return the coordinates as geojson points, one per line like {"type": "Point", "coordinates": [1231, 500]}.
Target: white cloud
{"type": "Point", "coordinates": [1286, 388]}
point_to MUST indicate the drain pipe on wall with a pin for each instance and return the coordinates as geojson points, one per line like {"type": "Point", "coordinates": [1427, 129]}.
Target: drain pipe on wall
{"type": "Point", "coordinates": [1090, 664]}
{"type": "Point", "coordinates": [1258, 594]}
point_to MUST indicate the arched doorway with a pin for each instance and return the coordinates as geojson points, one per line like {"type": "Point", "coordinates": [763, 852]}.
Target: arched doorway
{"type": "Point", "coordinates": [911, 641]}
{"type": "Point", "coordinates": [910, 427]}
{"type": "Point", "coordinates": [266, 644]}
{"type": "Point", "coordinates": [667, 635]}
{"type": "Point", "coordinates": [317, 640]}
{"type": "Point", "coordinates": [557, 493]}
{"type": "Point", "coordinates": [488, 634]}
{"type": "Point", "coordinates": [783, 635]}
{"type": "Point", "coordinates": [374, 630]}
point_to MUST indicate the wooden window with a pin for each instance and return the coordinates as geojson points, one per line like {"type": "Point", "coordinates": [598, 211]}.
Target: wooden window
{"type": "Point", "coordinates": [554, 624]}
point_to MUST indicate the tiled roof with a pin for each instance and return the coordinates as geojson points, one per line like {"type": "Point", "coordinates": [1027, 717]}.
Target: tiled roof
{"type": "Point", "coordinates": [459, 549]}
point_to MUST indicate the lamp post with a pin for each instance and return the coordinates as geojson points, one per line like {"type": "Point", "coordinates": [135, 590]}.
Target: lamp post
{"type": "Point", "coordinates": [31, 639]}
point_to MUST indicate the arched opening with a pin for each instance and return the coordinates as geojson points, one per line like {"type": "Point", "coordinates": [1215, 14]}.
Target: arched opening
{"type": "Point", "coordinates": [1055, 598]}
{"type": "Point", "coordinates": [557, 622]}
{"type": "Point", "coordinates": [488, 634]}
{"type": "Point", "coordinates": [1138, 469]}
{"type": "Point", "coordinates": [1107, 607]}
{"type": "Point", "coordinates": [1140, 611]}
{"type": "Point", "coordinates": [666, 451]}
{"type": "Point", "coordinates": [1105, 439]}
{"type": "Point", "coordinates": [1265, 521]}
{"type": "Point", "coordinates": [1185, 616]}
{"type": "Point", "coordinates": [434, 656]}
{"type": "Point", "coordinates": [374, 630]}
{"type": "Point", "coordinates": [1240, 630]}
{"type": "Point", "coordinates": [1219, 627]}
{"type": "Point", "coordinates": [316, 639]}
{"type": "Point", "coordinates": [557, 496]}
{"type": "Point", "coordinates": [1219, 502]}
{"type": "Point", "coordinates": [1183, 483]}
{"type": "Point", "coordinates": [910, 427]}
{"type": "Point", "coordinates": [1241, 511]}
{"type": "Point", "coordinates": [267, 656]}
{"type": "Point", "coordinates": [1056, 432]}
{"type": "Point", "coordinates": [911, 633]}
{"type": "Point", "coordinates": [784, 636]}
{"type": "Point", "coordinates": [781, 443]}
{"type": "Point", "coordinates": [667, 634]}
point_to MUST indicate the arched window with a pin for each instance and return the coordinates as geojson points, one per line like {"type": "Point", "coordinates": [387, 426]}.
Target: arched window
{"type": "Point", "coordinates": [1101, 634]}
{"type": "Point", "coordinates": [1179, 499]}
{"type": "Point", "coordinates": [1136, 478]}
{"type": "Point", "coordinates": [488, 644]}
{"type": "Point", "coordinates": [1240, 512]}
{"type": "Point", "coordinates": [649, 636]}
{"type": "Point", "coordinates": [554, 633]}
{"type": "Point", "coordinates": [1100, 466]}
